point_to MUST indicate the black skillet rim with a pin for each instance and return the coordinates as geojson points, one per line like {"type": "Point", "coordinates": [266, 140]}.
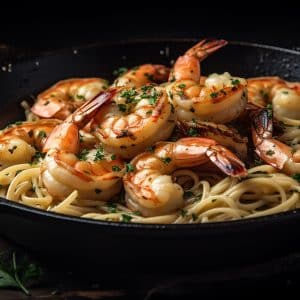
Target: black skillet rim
{"type": "Point", "coordinates": [229, 225]}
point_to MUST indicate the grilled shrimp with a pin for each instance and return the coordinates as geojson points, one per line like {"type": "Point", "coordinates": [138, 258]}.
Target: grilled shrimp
{"type": "Point", "coordinates": [135, 119]}
{"type": "Point", "coordinates": [149, 186]}
{"type": "Point", "coordinates": [19, 141]}
{"type": "Point", "coordinates": [269, 149]}
{"type": "Point", "coordinates": [143, 75]}
{"type": "Point", "coordinates": [283, 95]}
{"type": "Point", "coordinates": [94, 173]}
{"type": "Point", "coordinates": [219, 98]}
{"type": "Point", "coordinates": [224, 135]}
{"type": "Point", "coordinates": [60, 100]}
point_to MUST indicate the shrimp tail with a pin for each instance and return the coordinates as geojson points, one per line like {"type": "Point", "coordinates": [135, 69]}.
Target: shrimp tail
{"type": "Point", "coordinates": [268, 149]}
{"type": "Point", "coordinates": [206, 47]}
{"type": "Point", "coordinates": [226, 161]}
{"type": "Point", "coordinates": [89, 109]}
{"type": "Point", "coordinates": [65, 136]}
{"type": "Point", "coordinates": [262, 125]}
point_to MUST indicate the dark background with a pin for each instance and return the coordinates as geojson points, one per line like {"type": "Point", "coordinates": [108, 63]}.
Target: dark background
{"type": "Point", "coordinates": [50, 25]}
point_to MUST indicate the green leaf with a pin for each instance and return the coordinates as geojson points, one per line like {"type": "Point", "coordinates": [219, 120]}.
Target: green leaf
{"type": "Point", "coordinates": [7, 280]}
{"type": "Point", "coordinates": [129, 168]}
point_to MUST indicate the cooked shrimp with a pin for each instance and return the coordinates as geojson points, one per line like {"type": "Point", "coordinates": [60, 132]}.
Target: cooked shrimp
{"type": "Point", "coordinates": [60, 100]}
{"type": "Point", "coordinates": [270, 150]}
{"type": "Point", "coordinates": [135, 119]}
{"type": "Point", "coordinates": [261, 89]}
{"type": "Point", "coordinates": [19, 141]}
{"type": "Point", "coordinates": [149, 186]}
{"type": "Point", "coordinates": [283, 95]}
{"type": "Point", "coordinates": [95, 174]}
{"type": "Point", "coordinates": [224, 135]}
{"type": "Point", "coordinates": [143, 75]}
{"type": "Point", "coordinates": [218, 98]}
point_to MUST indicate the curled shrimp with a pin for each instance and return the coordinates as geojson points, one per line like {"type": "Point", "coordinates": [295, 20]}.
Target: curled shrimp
{"type": "Point", "coordinates": [219, 98]}
{"type": "Point", "coordinates": [134, 120]}
{"type": "Point", "coordinates": [18, 142]}
{"type": "Point", "coordinates": [283, 95]}
{"type": "Point", "coordinates": [64, 97]}
{"type": "Point", "coordinates": [149, 186]}
{"type": "Point", "coordinates": [94, 173]}
{"type": "Point", "coordinates": [224, 135]}
{"type": "Point", "coordinates": [269, 149]}
{"type": "Point", "coordinates": [142, 75]}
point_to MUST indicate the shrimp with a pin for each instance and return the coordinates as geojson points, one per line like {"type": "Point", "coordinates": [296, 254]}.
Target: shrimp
{"type": "Point", "coordinates": [261, 90]}
{"type": "Point", "coordinates": [18, 142]}
{"type": "Point", "coordinates": [224, 135]}
{"type": "Point", "coordinates": [142, 75]}
{"type": "Point", "coordinates": [149, 186]}
{"type": "Point", "coordinates": [284, 97]}
{"type": "Point", "coordinates": [60, 100]}
{"type": "Point", "coordinates": [219, 98]}
{"type": "Point", "coordinates": [270, 150]}
{"type": "Point", "coordinates": [94, 173]}
{"type": "Point", "coordinates": [134, 120]}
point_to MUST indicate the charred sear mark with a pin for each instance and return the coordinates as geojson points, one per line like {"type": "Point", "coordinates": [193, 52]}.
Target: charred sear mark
{"type": "Point", "coordinates": [126, 133]}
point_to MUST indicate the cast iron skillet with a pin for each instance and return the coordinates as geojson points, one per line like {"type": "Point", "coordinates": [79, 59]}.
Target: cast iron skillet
{"type": "Point", "coordinates": [138, 245]}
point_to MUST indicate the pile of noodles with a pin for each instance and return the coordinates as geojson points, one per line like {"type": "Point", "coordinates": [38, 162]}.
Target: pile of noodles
{"type": "Point", "coordinates": [263, 192]}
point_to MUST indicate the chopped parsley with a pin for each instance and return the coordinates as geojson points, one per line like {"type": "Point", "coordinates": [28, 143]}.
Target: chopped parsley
{"type": "Point", "coordinates": [152, 100]}
{"type": "Point", "coordinates": [42, 134]}
{"type": "Point", "coordinates": [183, 213]}
{"type": "Point", "coordinates": [166, 160]}
{"type": "Point", "coordinates": [285, 92]}
{"type": "Point", "coordinates": [37, 156]}
{"type": "Point", "coordinates": [192, 131]}
{"type": "Point", "coordinates": [194, 217]}
{"type": "Point", "coordinates": [113, 157]}
{"type": "Point", "coordinates": [214, 95]}
{"type": "Point", "coordinates": [129, 95]}
{"type": "Point", "coordinates": [83, 154]}
{"type": "Point", "coordinates": [181, 86]}
{"type": "Point", "coordinates": [235, 82]}
{"type": "Point", "coordinates": [111, 207]}
{"type": "Point", "coordinates": [149, 112]}
{"type": "Point", "coordinates": [46, 102]}
{"type": "Point", "coordinates": [120, 71]}
{"type": "Point", "coordinates": [258, 162]}
{"type": "Point", "coordinates": [122, 107]}
{"type": "Point", "coordinates": [116, 168]}
{"type": "Point", "coordinates": [129, 168]}
{"type": "Point", "coordinates": [80, 97]}
{"type": "Point", "coordinates": [172, 79]}
{"type": "Point", "coordinates": [269, 110]}
{"type": "Point", "coordinates": [18, 123]}
{"type": "Point", "coordinates": [296, 176]}
{"type": "Point", "coordinates": [126, 218]}
{"type": "Point", "coordinates": [270, 152]}
{"type": "Point", "coordinates": [99, 154]}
